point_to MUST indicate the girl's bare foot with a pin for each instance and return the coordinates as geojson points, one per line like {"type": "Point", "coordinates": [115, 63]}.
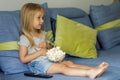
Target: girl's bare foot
{"type": "Point", "coordinates": [97, 71]}
{"type": "Point", "coordinates": [103, 64]}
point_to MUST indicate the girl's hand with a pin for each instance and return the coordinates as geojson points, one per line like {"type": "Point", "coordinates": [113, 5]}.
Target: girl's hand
{"type": "Point", "coordinates": [44, 45]}
{"type": "Point", "coordinates": [43, 51]}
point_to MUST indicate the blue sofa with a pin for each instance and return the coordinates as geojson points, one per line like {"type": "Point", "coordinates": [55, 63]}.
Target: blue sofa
{"type": "Point", "coordinates": [12, 69]}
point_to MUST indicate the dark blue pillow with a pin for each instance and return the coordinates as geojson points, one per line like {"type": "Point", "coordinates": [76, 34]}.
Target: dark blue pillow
{"type": "Point", "coordinates": [104, 13]}
{"type": "Point", "coordinates": [9, 26]}
{"type": "Point", "coordinates": [74, 14]}
{"type": "Point", "coordinates": [47, 25]}
{"type": "Point", "coordinates": [109, 37]}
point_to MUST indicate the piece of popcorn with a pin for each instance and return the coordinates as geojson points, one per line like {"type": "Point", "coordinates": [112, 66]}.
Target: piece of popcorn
{"type": "Point", "coordinates": [55, 54]}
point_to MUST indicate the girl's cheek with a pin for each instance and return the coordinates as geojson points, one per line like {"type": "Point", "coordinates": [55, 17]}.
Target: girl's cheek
{"type": "Point", "coordinates": [39, 46]}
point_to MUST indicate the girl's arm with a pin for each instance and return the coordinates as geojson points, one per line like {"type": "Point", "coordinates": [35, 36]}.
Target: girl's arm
{"type": "Point", "coordinates": [44, 45]}
{"type": "Point", "coordinates": [25, 57]}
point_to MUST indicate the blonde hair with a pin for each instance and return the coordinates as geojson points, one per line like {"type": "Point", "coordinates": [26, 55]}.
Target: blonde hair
{"type": "Point", "coordinates": [27, 14]}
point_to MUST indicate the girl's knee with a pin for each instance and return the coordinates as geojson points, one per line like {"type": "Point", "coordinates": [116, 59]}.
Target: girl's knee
{"type": "Point", "coordinates": [63, 66]}
{"type": "Point", "coordinates": [57, 68]}
{"type": "Point", "coordinates": [68, 63]}
{"type": "Point", "coordinates": [64, 69]}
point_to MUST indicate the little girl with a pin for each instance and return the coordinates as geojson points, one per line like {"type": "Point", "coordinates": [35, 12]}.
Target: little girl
{"type": "Point", "coordinates": [33, 48]}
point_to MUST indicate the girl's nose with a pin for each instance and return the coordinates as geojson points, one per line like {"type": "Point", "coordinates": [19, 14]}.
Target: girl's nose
{"type": "Point", "coordinates": [41, 20]}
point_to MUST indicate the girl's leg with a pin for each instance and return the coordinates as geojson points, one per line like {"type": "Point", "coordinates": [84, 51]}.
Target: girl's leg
{"type": "Point", "coordinates": [71, 64]}
{"type": "Point", "coordinates": [71, 71]}
{"type": "Point", "coordinates": [61, 68]}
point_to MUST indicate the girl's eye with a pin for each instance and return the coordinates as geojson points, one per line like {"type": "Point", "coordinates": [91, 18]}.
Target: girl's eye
{"type": "Point", "coordinates": [38, 17]}
{"type": "Point", "coordinates": [43, 18]}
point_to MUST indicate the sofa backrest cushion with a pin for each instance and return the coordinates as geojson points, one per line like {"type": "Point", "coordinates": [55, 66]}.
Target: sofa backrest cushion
{"type": "Point", "coordinates": [101, 15]}
{"type": "Point", "coordinates": [47, 24]}
{"type": "Point", "coordinates": [109, 34]}
{"type": "Point", "coordinates": [104, 13]}
{"type": "Point", "coordinates": [71, 13]}
{"type": "Point", "coordinates": [9, 26]}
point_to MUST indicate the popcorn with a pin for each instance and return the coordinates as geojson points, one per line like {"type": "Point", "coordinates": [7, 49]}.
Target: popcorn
{"type": "Point", "coordinates": [55, 54]}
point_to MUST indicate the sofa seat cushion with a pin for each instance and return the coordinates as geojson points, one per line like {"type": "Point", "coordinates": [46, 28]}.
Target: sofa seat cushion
{"type": "Point", "coordinates": [111, 56]}
{"type": "Point", "coordinates": [10, 62]}
{"type": "Point", "coordinates": [112, 73]}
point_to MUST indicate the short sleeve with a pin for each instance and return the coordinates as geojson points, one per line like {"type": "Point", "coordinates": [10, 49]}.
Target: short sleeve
{"type": "Point", "coordinates": [24, 41]}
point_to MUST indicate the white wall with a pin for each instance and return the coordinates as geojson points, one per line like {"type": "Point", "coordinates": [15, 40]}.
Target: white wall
{"type": "Point", "coordinates": [83, 4]}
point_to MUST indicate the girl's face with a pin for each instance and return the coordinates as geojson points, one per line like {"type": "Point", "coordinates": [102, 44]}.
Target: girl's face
{"type": "Point", "coordinates": [38, 20]}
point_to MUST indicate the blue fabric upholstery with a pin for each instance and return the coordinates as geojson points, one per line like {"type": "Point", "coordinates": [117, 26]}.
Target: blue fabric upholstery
{"type": "Point", "coordinates": [74, 14]}
{"type": "Point", "coordinates": [9, 26]}
{"type": "Point", "coordinates": [10, 62]}
{"type": "Point", "coordinates": [47, 25]}
{"type": "Point", "coordinates": [104, 13]}
{"type": "Point", "coordinates": [11, 65]}
{"type": "Point", "coordinates": [10, 31]}
{"type": "Point", "coordinates": [109, 38]}
{"type": "Point", "coordinates": [111, 74]}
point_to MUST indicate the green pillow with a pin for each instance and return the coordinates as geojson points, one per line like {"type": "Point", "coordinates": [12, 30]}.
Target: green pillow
{"type": "Point", "coordinates": [108, 25]}
{"type": "Point", "coordinates": [49, 35]}
{"type": "Point", "coordinates": [75, 39]}
{"type": "Point", "coordinates": [12, 45]}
